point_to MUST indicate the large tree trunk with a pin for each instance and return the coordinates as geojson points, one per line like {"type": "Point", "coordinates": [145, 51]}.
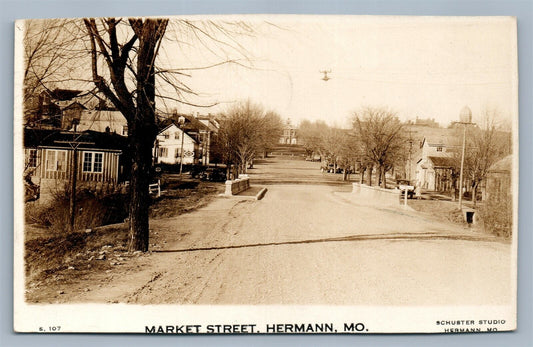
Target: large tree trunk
{"type": "Point", "coordinates": [228, 171]}
{"type": "Point", "coordinates": [137, 106]}
{"type": "Point", "coordinates": [141, 138]}
{"type": "Point", "coordinates": [382, 177]}
{"type": "Point", "coordinates": [454, 189]}
{"type": "Point", "coordinates": [370, 169]}
{"type": "Point", "coordinates": [474, 193]}
{"type": "Point", "coordinates": [141, 158]}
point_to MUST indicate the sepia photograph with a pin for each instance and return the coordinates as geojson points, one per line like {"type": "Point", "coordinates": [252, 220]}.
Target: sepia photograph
{"type": "Point", "coordinates": [266, 174]}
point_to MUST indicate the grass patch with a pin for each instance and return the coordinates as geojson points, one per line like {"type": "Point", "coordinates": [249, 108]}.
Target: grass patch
{"type": "Point", "coordinates": [183, 197]}
{"type": "Point", "coordinates": [498, 217]}
{"type": "Point", "coordinates": [442, 210]}
{"type": "Point", "coordinates": [92, 210]}
{"type": "Point", "coordinates": [54, 258]}
{"type": "Point", "coordinates": [493, 217]}
{"type": "Point", "coordinates": [46, 258]}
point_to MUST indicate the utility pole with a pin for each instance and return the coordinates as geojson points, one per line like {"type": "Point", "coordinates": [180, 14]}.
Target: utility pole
{"type": "Point", "coordinates": [462, 166]}
{"type": "Point", "coordinates": [465, 119]}
{"type": "Point", "coordinates": [74, 144]}
{"type": "Point", "coordinates": [181, 151]}
{"type": "Point", "coordinates": [409, 132]}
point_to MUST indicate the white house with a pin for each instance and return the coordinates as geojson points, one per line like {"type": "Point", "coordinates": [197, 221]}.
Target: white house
{"type": "Point", "coordinates": [435, 166]}
{"type": "Point", "coordinates": [169, 145]}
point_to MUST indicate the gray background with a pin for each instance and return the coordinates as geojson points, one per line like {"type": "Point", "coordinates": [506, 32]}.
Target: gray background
{"type": "Point", "coordinates": [523, 10]}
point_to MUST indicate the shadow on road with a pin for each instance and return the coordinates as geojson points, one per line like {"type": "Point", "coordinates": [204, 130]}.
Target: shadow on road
{"type": "Point", "coordinates": [392, 237]}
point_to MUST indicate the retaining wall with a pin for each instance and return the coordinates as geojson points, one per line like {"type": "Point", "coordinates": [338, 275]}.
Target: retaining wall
{"type": "Point", "coordinates": [234, 187]}
{"type": "Point", "coordinates": [377, 195]}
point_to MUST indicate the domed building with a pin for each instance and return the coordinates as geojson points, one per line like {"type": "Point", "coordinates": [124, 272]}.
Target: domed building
{"type": "Point", "coordinates": [288, 136]}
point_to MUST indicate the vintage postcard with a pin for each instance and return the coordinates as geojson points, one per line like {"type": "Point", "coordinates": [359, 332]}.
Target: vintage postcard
{"type": "Point", "coordinates": [266, 175]}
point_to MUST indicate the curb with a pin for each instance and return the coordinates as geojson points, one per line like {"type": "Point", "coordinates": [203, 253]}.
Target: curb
{"type": "Point", "coordinates": [258, 196]}
{"type": "Point", "coordinates": [261, 194]}
{"type": "Point", "coordinates": [365, 203]}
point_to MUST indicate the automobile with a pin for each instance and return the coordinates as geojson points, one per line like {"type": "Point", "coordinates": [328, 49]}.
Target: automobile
{"type": "Point", "coordinates": [402, 184]}
{"type": "Point", "coordinates": [213, 174]}
{"type": "Point", "coordinates": [197, 171]}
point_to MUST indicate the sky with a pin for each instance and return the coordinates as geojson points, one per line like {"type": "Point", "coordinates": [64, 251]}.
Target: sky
{"type": "Point", "coordinates": [427, 67]}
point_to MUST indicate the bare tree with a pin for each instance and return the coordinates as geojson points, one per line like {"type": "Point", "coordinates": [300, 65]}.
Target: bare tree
{"type": "Point", "coordinates": [486, 145]}
{"type": "Point", "coordinates": [379, 133]}
{"type": "Point", "coordinates": [310, 136]}
{"type": "Point", "coordinates": [349, 153]}
{"type": "Point", "coordinates": [134, 54]}
{"type": "Point", "coordinates": [121, 59]}
{"type": "Point", "coordinates": [246, 130]}
{"type": "Point", "coordinates": [331, 145]}
{"type": "Point", "coordinates": [49, 45]}
{"type": "Point", "coordinates": [272, 128]}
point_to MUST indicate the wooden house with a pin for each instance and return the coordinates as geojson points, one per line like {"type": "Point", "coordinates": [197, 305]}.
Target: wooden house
{"type": "Point", "coordinates": [171, 142]}
{"type": "Point", "coordinates": [101, 158]}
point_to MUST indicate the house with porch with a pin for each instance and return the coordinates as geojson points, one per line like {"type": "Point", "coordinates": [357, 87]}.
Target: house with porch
{"type": "Point", "coordinates": [198, 130]}
{"type": "Point", "coordinates": [171, 142]}
{"type": "Point", "coordinates": [101, 159]}
{"type": "Point", "coordinates": [435, 166]}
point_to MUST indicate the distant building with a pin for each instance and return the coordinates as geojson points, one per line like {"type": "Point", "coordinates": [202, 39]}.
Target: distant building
{"type": "Point", "coordinates": [289, 135]}
{"type": "Point", "coordinates": [171, 142]}
{"type": "Point", "coordinates": [102, 121]}
{"type": "Point", "coordinates": [199, 128]}
{"type": "Point", "coordinates": [427, 122]}
{"type": "Point", "coordinates": [498, 180]}
{"type": "Point", "coordinates": [436, 163]}
{"type": "Point", "coordinates": [62, 108]}
{"type": "Point", "coordinates": [498, 214]}
{"type": "Point", "coordinates": [71, 114]}
{"type": "Point", "coordinates": [417, 136]}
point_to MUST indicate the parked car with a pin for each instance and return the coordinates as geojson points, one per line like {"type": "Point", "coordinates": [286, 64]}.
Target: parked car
{"type": "Point", "coordinates": [197, 171]}
{"type": "Point", "coordinates": [213, 174]}
{"type": "Point", "coordinates": [402, 183]}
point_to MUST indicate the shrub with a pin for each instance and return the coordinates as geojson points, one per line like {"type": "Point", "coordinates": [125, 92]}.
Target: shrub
{"type": "Point", "coordinates": [498, 217]}
{"type": "Point", "coordinates": [92, 210]}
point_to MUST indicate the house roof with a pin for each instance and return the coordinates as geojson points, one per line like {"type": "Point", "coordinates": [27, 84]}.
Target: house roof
{"type": "Point", "coordinates": [442, 140]}
{"type": "Point", "coordinates": [432, 136]}
{"type": "Point", "coordinates": [63, 94]}
{"type": "Point", "coordinates": [111, 116]}
{"type": "Point", "coordinates": [504, 164]}
{"type": "Point", "coordinates": [442, 162]}
{"type": "Point", "coordinates": [34, 138]}
{"type": "Point", "coordinates": [75, 104]}
{"type": "Point", "coordinates": [177, 127]}
{"type": "Point", "coordinates": [192, 124]}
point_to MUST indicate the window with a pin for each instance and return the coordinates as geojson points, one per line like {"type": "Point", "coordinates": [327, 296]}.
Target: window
{"type": "Point", "coordinates": [439, 149]}
{"type": "Point", "coordinates": [125, 130]}
{"type": "Point", "coordinates": [166, 136]}
{"type": "Point", "coordinates": [177, 136]}
{"type": "Point", "coordinates": [32, 158]}
{"type": "Point", "coordinates": [56, 160]}
{"type": "Point", "coordinates": [92, 162]}
{"type": "Point", "coordinates": [163, 152]}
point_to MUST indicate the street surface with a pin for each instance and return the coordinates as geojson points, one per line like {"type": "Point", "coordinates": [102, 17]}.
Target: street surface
{"type": "Point", "coordinates": [310, 243]}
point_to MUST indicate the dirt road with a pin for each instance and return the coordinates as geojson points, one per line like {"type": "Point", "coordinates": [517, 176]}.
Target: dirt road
{"type": "Point", "coordinates": [309, 244]}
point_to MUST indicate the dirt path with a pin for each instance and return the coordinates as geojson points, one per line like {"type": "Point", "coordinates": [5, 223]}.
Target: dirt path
{"type": "Point", "coordinates": [303, 244]}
